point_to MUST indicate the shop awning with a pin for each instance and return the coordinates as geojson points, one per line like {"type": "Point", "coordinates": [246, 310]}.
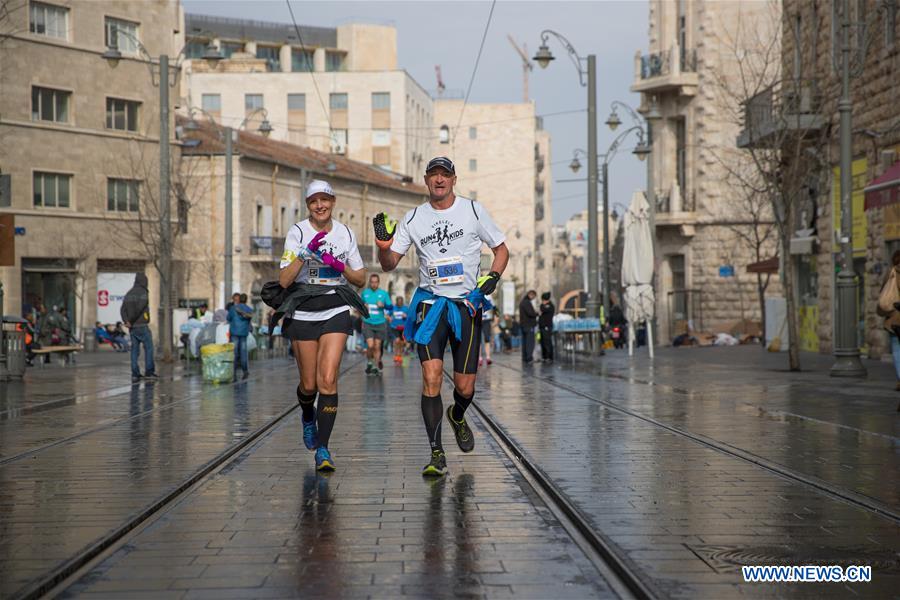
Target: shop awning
{"type": "Point", "coordinates": [770, 265]}
{"type": "Point", "coordinates": [884, 189]}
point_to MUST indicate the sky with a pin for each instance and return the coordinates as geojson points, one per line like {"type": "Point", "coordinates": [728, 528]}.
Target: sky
{"type": "Point", "coordinates": [448, 34]}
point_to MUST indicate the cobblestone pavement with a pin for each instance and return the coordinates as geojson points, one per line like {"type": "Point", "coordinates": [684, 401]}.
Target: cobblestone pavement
{"type": "Point", "coordinates": [268, 526]}
{"type": "Point", "coordinates": [687, 514]}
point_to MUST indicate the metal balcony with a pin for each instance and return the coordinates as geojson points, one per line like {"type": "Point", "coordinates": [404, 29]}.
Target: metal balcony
{"type": "Point", "coordinates": [673, 70]}
{"type": "Point", "coordinates": [786, 110]}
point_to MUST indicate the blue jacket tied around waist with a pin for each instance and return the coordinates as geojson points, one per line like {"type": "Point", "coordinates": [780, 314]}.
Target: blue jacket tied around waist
{"type": "Point", "coordinates": [421, 333]}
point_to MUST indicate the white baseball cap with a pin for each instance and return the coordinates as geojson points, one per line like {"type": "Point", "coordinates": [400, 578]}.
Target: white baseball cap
{"type": "Point", "coordinates": [317, 186]}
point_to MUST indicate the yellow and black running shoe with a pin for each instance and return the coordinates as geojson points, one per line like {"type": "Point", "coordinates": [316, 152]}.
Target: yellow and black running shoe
{"type": "Point", "coordinates": [465, 439]}
{"type": "Point", "coordinates": [438, 465]}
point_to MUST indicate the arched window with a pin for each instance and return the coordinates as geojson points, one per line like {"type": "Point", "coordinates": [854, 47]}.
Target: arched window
{"type": "Point", "coordinates": [444, 134]}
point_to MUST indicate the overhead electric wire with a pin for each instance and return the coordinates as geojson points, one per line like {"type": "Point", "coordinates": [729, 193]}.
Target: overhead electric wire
{"type": "Point", "coordinates": [487, 26]}
{"type": "Point", "coordinates": [312, 71]}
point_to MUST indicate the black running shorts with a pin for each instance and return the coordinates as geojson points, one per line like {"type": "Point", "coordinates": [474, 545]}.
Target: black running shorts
{"type": "Point", "coordinates": [305, 331]}
{"type": "Point", "coordinates": [465, 351]}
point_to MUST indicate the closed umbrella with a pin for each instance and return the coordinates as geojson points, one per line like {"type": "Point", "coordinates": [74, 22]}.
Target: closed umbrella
{"type": "Point", "coordinates": [637, 267]}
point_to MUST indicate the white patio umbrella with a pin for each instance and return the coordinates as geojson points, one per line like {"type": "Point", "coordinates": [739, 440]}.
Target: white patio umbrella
{"type": "Point", "coordinates": [637, 267]}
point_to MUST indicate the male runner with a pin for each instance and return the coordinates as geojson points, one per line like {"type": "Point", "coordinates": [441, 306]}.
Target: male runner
{"type": "Point", "coordinates": [398, 323]}
{"type": "Point", "coordinates": [448, 232]}
{"type": "Point", "coordinates": [375, 326]}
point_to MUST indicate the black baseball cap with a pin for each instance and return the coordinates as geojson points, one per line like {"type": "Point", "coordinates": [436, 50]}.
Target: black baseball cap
{"type": "Point", "coordinates": [441, 162]}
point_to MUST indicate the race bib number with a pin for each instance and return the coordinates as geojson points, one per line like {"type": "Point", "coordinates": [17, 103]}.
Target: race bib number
{"type": "Point", "coordinates": [445, 271]}
{"type": "Point", "coordinates": [324, 276]}
{"type": "Point", "coordinates": [374, 308]}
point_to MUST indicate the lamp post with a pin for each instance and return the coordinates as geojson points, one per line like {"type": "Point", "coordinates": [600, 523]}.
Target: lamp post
{"type": "Point", "coordinates": [586, 67]}
{"type": "Point", "coordinates": [846, 347]}
{"type": "Point", "coordinates": [228, 134]}
{"type": "Point", "coordinates": [641, 151]}
{"type": "Point", "coordinates": [112, 55]}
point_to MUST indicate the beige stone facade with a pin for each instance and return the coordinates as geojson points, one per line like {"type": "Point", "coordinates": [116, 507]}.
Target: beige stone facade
{"type": "Point", "coordinates": [875, 94]}
{"type": "Point", "coordinates": [269, 182]}
{"type": "Point", "coordinates": [341, 92]}
{"type": "Point", "coordinates": [70, 126]}
{"type": "Point", "coordinates": [701, 265]}
{"type": "Point", "coordinates": [502, 160]}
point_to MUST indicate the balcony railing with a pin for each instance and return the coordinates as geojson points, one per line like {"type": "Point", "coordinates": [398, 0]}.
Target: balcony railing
{"type": "Point", "coordinates": [675, 68]}
{"type": "Point", "coordinates": [266, 246]}
{"type": "Point", "coordinates": [786, 108]}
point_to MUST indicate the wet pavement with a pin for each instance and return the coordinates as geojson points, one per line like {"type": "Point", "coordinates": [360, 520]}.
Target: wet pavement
{"type": "Point", "coordinates": [688, 466]}
{"type": "Point", "coordinates": [683, 476]}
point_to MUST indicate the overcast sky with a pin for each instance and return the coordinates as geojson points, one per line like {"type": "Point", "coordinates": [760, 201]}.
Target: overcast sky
{"type": "Point", "coordinates": [448, 34]}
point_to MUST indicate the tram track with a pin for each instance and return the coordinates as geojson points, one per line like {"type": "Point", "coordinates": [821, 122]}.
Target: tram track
{"type": "Point", "coordinates": [618, 570]}
{"type": "Point", "coordinates": [57, 579]}
{"type": "Point", "coordinates": [820, 486]}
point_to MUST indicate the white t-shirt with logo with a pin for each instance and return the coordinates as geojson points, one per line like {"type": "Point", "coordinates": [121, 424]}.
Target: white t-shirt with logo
{"type": "Point", "coordinates": [340, 242]}
{"type": "Point", "coordinates": [449, 244]}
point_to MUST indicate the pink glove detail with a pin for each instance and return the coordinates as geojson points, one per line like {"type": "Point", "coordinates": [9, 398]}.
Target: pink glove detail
{"type": "Point", "coordinates": [332, 262]}
{"type": "Point", "coordinates": [313, 245]}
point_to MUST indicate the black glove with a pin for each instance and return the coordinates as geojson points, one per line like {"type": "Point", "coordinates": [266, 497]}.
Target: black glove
{"type": "Point", "coordinates": [488, 283]}
{"type": "Point", "coordinates": [896, 305]}
{"type": "Point", "coordinates": [384, 230]}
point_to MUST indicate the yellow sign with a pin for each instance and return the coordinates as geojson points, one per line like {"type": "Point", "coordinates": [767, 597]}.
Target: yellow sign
{"type": "Point", "coordinates": [858, 171]}
{"type": "Point", "coordinates": [809, 328]}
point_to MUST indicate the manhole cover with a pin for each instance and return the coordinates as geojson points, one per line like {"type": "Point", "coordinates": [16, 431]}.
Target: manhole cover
{"type": "Point", "coordinates": [725, 559]}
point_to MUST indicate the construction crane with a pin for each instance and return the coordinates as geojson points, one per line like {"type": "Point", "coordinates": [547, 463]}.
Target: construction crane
{"type": "Point", "coordinates": [526, 65]}
{"type": "Point", "coordinates": [440, 81]}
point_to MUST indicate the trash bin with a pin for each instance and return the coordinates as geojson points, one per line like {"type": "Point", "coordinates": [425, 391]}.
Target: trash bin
{"type": "Point", "coordinates": [13, 349]}
{"type": "Point", "coordinates": [218, 362]}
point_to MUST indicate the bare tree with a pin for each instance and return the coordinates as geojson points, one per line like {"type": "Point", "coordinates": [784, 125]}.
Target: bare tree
{"type": "Point", "coordinates": [772, 171]}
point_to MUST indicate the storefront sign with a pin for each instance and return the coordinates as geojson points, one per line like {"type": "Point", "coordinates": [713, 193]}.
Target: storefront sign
{"type": "Point", "coordinates": [192, 302]}
{"type": "Point", "coordinates": [111, 290]}
{"type": "Point", "coordinates": [858, 171]}
{"type": "Point", "coordinates": [726, 271]}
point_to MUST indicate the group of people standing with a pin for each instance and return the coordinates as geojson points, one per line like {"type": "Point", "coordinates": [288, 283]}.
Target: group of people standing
{"type": "Point", "coordinates": [321, 261]}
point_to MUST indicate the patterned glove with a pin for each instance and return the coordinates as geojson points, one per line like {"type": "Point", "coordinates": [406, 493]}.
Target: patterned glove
{"type": "Point", "coordinates": [332, 262]}
{"type": "Point", "coordinates": [313, 245]}
{"type": "Point", "coordinates": [488, 283]}
{"type": "Point", "coordinates": [384, 230]}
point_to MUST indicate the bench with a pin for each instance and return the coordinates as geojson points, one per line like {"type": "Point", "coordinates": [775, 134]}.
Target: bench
{"type": "Point", "coordinates": [64, 352]}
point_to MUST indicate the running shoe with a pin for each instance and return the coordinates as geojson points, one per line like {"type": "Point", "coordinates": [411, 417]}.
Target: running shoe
{"type": "Point", "coordinates": [438, 465]}
{"type": "Point", "coordinates": [324, 461]}
{"type": "Point", "coordinates": [368, 368]}
{"type": "Point", "coordinates": [310, 433]}
{"type": "Point", "coordinates": [464, 437]}
{"type": "Point", "coordinates": [380, 366]}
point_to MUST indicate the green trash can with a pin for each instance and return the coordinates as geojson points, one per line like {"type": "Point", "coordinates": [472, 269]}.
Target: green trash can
{"type": "Point", "coordinates": [218, 363]}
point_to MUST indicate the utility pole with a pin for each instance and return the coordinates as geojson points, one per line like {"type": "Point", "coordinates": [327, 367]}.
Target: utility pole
{"type": "Point", "coordinates": [229, 226]}
{"type": "Point", "coordinates": [165, 223]}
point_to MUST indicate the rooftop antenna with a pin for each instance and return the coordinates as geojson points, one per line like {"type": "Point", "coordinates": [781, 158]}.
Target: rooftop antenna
{"type": "Point", "coordinates": [526, 65]}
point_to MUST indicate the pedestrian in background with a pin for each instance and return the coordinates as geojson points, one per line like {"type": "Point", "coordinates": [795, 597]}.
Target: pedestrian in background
{"type": "Point", "coordinates": [528, 321]}
{"type": "Point", "coordinates": [892, 317]}
{"type": "Point", "coordinates": [487, 335]}
{"type": "Point", "coordinates": [135, 314]}
{"type": "Point", "coordinates": [545, 323]}
{"type": "Point", "coordinates": [239, 316]}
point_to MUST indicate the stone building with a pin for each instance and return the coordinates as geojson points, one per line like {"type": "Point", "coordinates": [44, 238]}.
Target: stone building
{"type": "Point", "coordinates": [810, 93]}
{"type": "Point", "coordinates": [702, 281]}
{"type": "Point", "coordinates": [502, 158]}
{"type": "Point", "coordinates": [335, 90]}
{"type": "Point", "coordinates": [79, 147]}
{"type": "Point", "coordinates": [269, 180]}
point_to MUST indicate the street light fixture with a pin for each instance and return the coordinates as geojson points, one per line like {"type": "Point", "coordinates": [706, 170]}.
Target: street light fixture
{"type": "Point", "coordinates": [613, 121]}
{"type": "Point", "coordinates": [543, 56]}
{"type": "Point", "coordinates": [113, 55]}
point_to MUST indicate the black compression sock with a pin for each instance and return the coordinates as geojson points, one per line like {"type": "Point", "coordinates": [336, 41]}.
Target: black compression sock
{"type": "Point", "coordinates": [326, 414]}
{"type": "Point", "coordinates": [460, 404]}
{"type": "Point", "coordinates": [307, 404]}
{"type": "Point", "coordinates": [432, 412]}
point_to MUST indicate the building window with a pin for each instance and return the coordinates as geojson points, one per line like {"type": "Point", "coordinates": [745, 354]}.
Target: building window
{"type": "Point", "coordinates": [122, 114]}
{"type": "Point", "coordinates": [381, 100]}
{"type": "Point", "coordinates": [229, 48]}
{"type": "Point", "coordinates": [195, 48]}
{"type": "Point", "coordinates": [50, 105]}
{"type": "Point", "coordinates": [339, 141]}
{"type": "Point", "coordinates": [252, 102]}
{"type": "Point", "coordinates": [296, 101]}
{"type": "Point", "coordinates": [473, 164]}
{"type": "Point", "coordinates": [473, 133]}
{"type": "Point", "coordinates": [301, 60]}
{"type": "Point", "coordinates": [212, 104]}
{"type": "Point", "coordinates": [681, 155]}
{"type": "Point", "coordinates": [444, 134]}
{"type": "Point", "coordinates": [52, 189]}
{"type": "Point", "coordinates": [122, 195]}
{"type": "Point", "coordinates": [334, 61]}
{"type": "Point", "coordinates": [272, 56]}
{"type": "Point", "coordinates": [52, 21]}
{"type": "Point", "coordinates": [338, 101]}
{"type": "Point", "coordinates": [122, 35]}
